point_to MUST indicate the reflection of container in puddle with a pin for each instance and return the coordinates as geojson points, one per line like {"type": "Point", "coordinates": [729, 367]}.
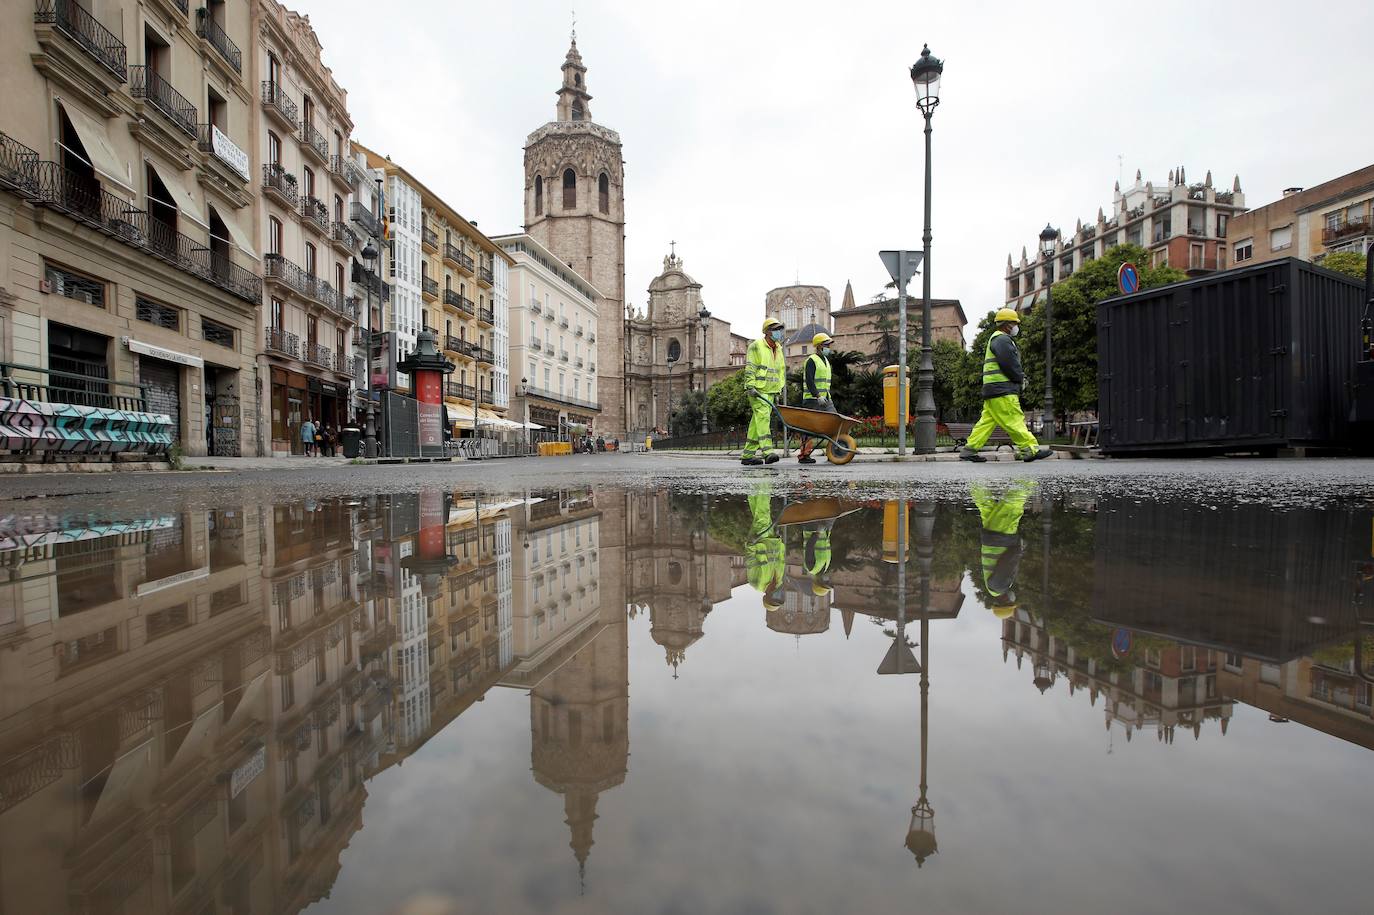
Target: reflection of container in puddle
{"type": "Point", "coordinates": [894, 520]}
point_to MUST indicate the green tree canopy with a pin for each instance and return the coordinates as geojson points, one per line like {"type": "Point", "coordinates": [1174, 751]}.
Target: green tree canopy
{"type": "Point", "coordinates": [1350, 263]}
{"type": "Point", "coordinates": [1075, 328]}
{"type": "Point", "coordinates": [727, 404]}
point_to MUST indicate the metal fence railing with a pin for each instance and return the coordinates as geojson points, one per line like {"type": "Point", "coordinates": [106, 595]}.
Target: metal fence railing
{"type": "Point", "coordinates": [23, 381]}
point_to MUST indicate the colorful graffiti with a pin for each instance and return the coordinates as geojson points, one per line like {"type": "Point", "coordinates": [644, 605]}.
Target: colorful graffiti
{"type": "Point", "coordinates": [28, 426]}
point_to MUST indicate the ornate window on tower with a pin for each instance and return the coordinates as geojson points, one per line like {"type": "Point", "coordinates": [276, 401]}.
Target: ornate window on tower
{"type": "Point", "coordinates": [577, 111]}
{"type": "Point", "coordinates": [569, 189]}
{"type": "Point", "coordinates": [603, 193]}
{"type": "Point", "coordinates": [538, 195]}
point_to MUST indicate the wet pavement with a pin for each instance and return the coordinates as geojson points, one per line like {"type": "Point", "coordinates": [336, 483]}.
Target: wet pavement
{"type": "Point", "coordinates": [672, 689]}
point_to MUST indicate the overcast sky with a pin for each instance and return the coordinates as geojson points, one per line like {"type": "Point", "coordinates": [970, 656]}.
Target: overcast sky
{"type": "Point", "coordinates": [776, 140]}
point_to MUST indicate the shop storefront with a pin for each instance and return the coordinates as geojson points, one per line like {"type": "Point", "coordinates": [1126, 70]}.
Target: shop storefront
{"type": "Point", "coordinates": [289, 404]}
{"type": "Point", "coordinates": [166, 390]}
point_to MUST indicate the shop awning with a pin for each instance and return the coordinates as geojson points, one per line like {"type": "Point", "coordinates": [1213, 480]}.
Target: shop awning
{"type": "Point", "coordinates": [104, 159]}
{"type": "Point", "coordinates": [461, 417]}
{"type": "Point", "coordinates": [185, 203]}
{"type": "Point", "coordinates": [238, 236]}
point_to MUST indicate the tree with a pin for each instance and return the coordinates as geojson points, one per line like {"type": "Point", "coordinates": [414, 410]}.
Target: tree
{"type": "Point", "coordinates": [884, 324]}
{"type": "Point", "coordinates": [1347, 262]}
{"type": "Point", "coordinates": [727, 403]}
{"type": "Point", "coordinates": [1075, 328]}
{"type": "Point", "coordinates": [686, 417]}
{"type": "Point", "coordinates": [951, 370]}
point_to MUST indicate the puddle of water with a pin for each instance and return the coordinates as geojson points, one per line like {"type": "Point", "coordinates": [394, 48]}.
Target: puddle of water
{"type": "Point", "coordinates": [661, 701]}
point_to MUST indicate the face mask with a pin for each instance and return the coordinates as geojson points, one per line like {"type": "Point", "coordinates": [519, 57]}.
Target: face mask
{"type": "Point", "coordinates": [824, 351]}
{"type": "Point", "coordinates": [1016, 330]}
{"type": "Point", "coordinates": [775, 335]}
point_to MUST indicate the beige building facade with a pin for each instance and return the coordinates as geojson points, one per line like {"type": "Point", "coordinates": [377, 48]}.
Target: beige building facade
{"type": "Point", "coordinates": [301, 129]}
{"type": "Point", "coordinates": [859, 328]}
{"type": "Point", "coordinates": [127, 253]}
{"type": "Point", "coordinates": [575, 208]}
{"type": "Point", "coordinates": [1309, 223]}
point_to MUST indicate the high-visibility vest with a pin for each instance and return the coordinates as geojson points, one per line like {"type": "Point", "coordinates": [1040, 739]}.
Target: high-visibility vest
{"type": "Point", "coordinates": [822, 365]}
{"type": "Point", "coordinates": [992, 370]}
{"type": "Point", "coordinates": [817, 552]}
{"type": "Point", "coordinates": [764, 367]}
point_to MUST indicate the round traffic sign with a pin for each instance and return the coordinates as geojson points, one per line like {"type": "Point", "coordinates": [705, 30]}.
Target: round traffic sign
{"type": "Point", "coordinates": [1128, 279]}
{"type": "Point", "coordinates": [1121, 643]}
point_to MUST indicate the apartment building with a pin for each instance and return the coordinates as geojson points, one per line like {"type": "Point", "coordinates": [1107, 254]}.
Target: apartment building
{"type": "Point", "coordinates": [300, 114]}
{"type": "Point", "coordinates": [1182, 225]}
{"type": "Point", "coordinates": [1310, 223]}
{"type": "Point", "coordinates": [130, 277]}
{"type": "Point", "coordinates": [445, 279]}
{"type": "Point", "coordinates": [553, 321]}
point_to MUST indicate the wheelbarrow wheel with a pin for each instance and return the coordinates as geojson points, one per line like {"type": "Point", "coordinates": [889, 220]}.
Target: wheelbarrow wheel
{"type": "Point", "coordinates": [841, 450]}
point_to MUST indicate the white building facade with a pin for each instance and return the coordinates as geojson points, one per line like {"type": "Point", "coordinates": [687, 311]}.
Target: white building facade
{"type": "Point", "coordinates": [552, 320]}
{"type": "Point", "coordinates": [500, 335]}
{"type": "Point", "coordinates": [403, 315]}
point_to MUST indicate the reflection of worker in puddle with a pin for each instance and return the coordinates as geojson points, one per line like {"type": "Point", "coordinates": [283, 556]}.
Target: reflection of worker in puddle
{"type": "Point", "coordinates": [816, 555]}
{"type": "Point", "coordinates": [767, 557]}
{"type": "Point", "coordinates": [1002, 545]}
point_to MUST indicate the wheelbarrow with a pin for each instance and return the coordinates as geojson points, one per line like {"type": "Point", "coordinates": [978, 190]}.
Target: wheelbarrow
{"type": "Point", "coordinates": [840, 446]}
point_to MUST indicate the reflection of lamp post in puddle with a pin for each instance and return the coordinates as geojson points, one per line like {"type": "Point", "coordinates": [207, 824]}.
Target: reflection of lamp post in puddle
{"type": "Point", "coordinates": [920, 837]}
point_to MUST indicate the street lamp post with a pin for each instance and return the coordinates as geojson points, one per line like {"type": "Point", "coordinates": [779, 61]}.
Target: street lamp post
{"type": "Point", "coordinates": [1048, 236]}
{"type": "Point", "coordinates": [525, 401]}
{"type": "Point", "coordinates": [925, 77]}
{"type": "Point", "coordinates": [369, 253]}
{"type": "Point", "coordinates": [704, 316]}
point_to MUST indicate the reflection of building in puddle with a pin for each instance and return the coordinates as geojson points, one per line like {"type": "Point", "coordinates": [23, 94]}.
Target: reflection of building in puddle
{"type": "Point", "coordinates": [1175, 688]}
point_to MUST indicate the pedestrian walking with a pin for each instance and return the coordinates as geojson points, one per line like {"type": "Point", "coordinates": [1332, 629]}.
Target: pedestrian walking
{"type": "Point", "coordinates": [816, 388]}
{"type": "Point", "coordinates": [764, 372]}
{"type": "Point", "coordinates": [1003, 378]}
{"type": "Point", "coordinates": [307, 436]}
{"type": "Point", "coordinates": [1001, 545]}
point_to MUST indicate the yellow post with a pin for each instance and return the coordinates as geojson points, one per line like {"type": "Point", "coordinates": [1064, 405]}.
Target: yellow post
{"type": "Point", "coordinates": [892, 415]}
{"type": "Point", "coordinates": [894, 520]}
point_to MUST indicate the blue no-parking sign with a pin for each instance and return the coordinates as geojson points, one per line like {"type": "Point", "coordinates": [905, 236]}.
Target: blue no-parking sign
{"type": "Point", "coordinates": [1128, 279]}
{"type": "Point", "coordinates": [1121, 643]}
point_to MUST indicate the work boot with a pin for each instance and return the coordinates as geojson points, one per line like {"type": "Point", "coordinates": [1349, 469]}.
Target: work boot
{"type": "Point", "coordinates": [806, 459]}
{"type": "Point", "coordinates": [751, 461]}
{"type": "Point", "coordinates": [1040, 454]}
{"type": "Point", "coordinates": [968, 454]}
{"type": "Point", "coordinates": [770, 458]}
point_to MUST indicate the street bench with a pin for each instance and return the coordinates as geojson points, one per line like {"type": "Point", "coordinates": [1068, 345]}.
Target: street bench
{"type": "Point", "coordinates": [960, 432]}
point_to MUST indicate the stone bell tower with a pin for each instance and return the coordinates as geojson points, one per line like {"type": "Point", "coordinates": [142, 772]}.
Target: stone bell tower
{"type": "Point", "coordinates": [575, 207]}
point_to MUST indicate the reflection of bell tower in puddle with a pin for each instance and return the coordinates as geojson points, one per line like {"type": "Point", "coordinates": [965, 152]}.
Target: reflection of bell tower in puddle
{"type": "Point", "coordinates": [572, 651]}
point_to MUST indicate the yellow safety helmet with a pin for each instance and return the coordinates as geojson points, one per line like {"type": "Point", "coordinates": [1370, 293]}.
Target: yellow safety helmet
{"type": "Point", "coordinates": [820, 338]}
{"type": "Point", "coordinates": [771, 324]}
{"type": "Point", "coordinates": [771, 602]}
{"type": "Point", "coordinates": [1004, 611]}
{"type": "Point", "coordinates": [1007, 315]}
{"type": "Point", "coordinates": [820, 590]}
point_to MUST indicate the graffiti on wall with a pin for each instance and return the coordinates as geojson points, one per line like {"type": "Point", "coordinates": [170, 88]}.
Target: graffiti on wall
{"type": "Point", "coordinates": [28, 426]}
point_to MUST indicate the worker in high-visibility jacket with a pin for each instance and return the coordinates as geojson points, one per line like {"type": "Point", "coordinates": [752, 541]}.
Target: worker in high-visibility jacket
{"type": "Point", "coordinates": [816, 556]}
{"type": "Point", "coordinates": [1002, 545]}
{"type": "Point", "coordinates": [763, 376]}
{"type": "Point", "coordinates": [766, 561]}
{"type": "Point", "coordinates": [816, 387]}
{"type": "Point", "coordinates": [1002, 382]}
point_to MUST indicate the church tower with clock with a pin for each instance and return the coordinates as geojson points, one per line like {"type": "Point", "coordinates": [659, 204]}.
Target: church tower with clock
{"type": "Point", "coordinates": [575, 207]}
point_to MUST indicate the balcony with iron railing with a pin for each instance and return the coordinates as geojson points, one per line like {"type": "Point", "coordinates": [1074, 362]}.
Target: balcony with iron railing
{"type": "Point", "coordinates": [487, 396]}
{"type": "Point", "coordinates": [278, 104]}
{"type": "Point", "coordinates": [460, 302]}
{"type": "Point", "coordinates": [82, 32]}
{"type": "Point", "coordinates": [484, 275]}
{"type": "Point", "coordinates": [343, 237]}
{"type": "Point", "coordinates": [84, 200]}
{"type": "Point", "coordinates": [147, 84]}
{"type": "Point", "coordinates": [18, 166]}
{"type": "Point", "coordinates": [1346, 228]}
{"type": "Point", "coordinates": [548, 347]}
{"type": "Point", "coordinates": [287, 275]}
{"type": "Point", "coordinates": [549, 315]}
{"type": "Point", "coordinates": [1197, 231]}
{"type": "Point", "coordinates": [579, 362]}
{"type": "Point", "coordinates": [278, 182]}
{"type": "Point", "coordinates": [281, 343]}
{"type": "Point", "coordinates": [314, 142]}
{"type": "Point", "coordinates": [216, 143]}
{"type": "Point", "coordinates": [591, 337]}
{"type": "Point", "coordinates": [542, 394]}
{"type": "Point", "coordinates": [455, 344]}
{"type": "Point", "coordinates": [314, 214]}
{"type": "Point", "coordinates": [366, 220]}
{"type": "Point", "coordinates": [563, 322]}
{"type": "Point", "coordinates": [214, 34]}
{"type": "Point", "coordinates": [484, 355]}
{"type": "Point", "coordinates": [563, 355]}
{"type": "Point", "coordinates": [322, 356]}
{"type": "Point", "coordinates": [429, 239]}
{"type": "Point", "coordinates": [578, 332]}
{"type": "Point", "coordinates": [457, 258]}
{"type": "Point", "coordinates": [486, 315]}
{"type": "Point", "coordinates": [460, 390]}
{"type": "Point", "coordinates": [429, 288]}
{"type": "Point", "coordinates": [536, 307]}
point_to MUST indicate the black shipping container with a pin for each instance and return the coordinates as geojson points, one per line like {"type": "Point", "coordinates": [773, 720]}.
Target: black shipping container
{"type": "Point", "coordinates": [1255, 358]}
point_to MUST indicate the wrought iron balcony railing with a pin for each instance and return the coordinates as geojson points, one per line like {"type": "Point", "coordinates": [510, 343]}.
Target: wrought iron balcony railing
{"type": "Point", "coordinates": [210, 139]}
{"type": "Point", "coordinates": [72, 20]}
{"type": "Point", "coordinates": [315, 213]}
{"type": "Point", "coordinates": [486, 315]}
{"type": "Point", "coordinates": [286, 344]}
{"type": "Point", "coordinates": [18, 166]}
{"type": "Point", "coordinates": [275, 99]}
{"type": "Point", "coordinates": [149, 85]}
{"type": "Point", "coordinates": [213, 32]}
{"type": "Point", "coordinates": [314, 141]}
{"type": "Point", "coordinates": [276, 179]}
{"type": "Point", "coordinates": [83, 199]}
{"type": "Point", "coordinates": [429, 286]}
{"type": "Point", "coordinates": [364, 217]}
{"type": "Point", "coordinates": [458, 389]}
{"type": "Point", "coordinates": [484, 274]}
{"type": "Point", "coordinates": [485, 355]}
{"type": "Point", "coordinates": [345, 236]}
{"type": "Point", "coordinates": [319, 355]}
{"type": "Point", "coordinates": [455, 255]}
{"type": "Point", "coordinates": [429, 238]}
